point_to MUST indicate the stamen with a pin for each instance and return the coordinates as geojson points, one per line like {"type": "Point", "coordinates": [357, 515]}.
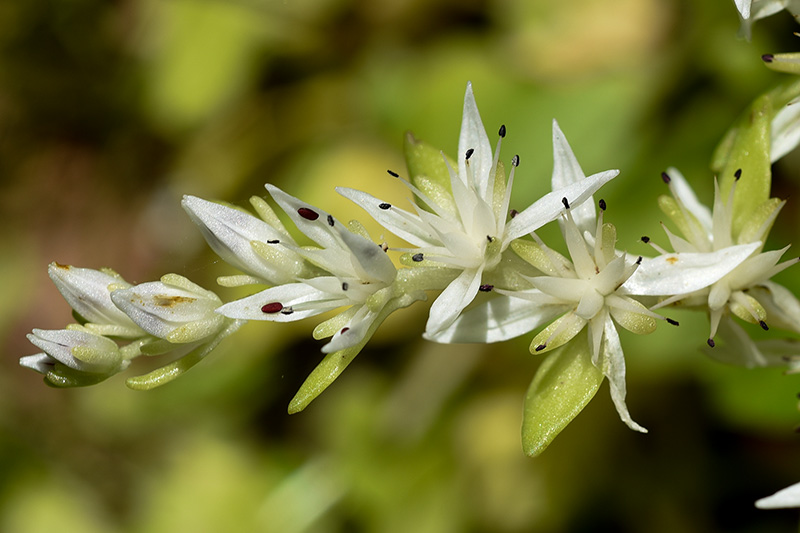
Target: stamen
{"type": "Point", "coordinates": [417, 258]}
{"type": "Point", "coordinates": [602, 204]}
{"type": "Point", "coordinates": [672, 322]}
{"type": "Point", "coordinates": [384, 206]}
{"type": "Point", "coordinates": [271, 308]}
{"type": "Point", "coordinates": [502, 132]}
{"type": "Point", "coordinates": [345, 286]}
{"type": "Point", "coordinates": [273, 241]}
{"type": "Point", "coordinates": [540, 347]}
{"type": "Point", "coordinates": [384, 246]}
{"type": "Point", "coordinates": [344, 330]}
{"type": "Point", "coordinates": [393, 174]}
{"type": "Point", "coordinates": [308, 214]}
{"type": "Point", "coordinates": [330, 220]}
{"type": "Point", "coordinates": [767, 58]}
{"type": "Point", "coordinates": [565, 202]}
{"type": "Point", "coordinates": [490, 238]}
{"type": "Point", "coordinates": [665, 178]}
{"type": "Point", "coordinates": [763, 325]}
{"type": "Point", "coordinates": [513, 213]}
{"type": "Point", "coordinates": [738, 173]}
{"type": "Point", "coordinates": [645, 239]}
{"type": "Point", "coordinates": [287, 311]}
{"type": "Point", "coordinates": [469, 153]}
{"type": "Point", "coordinates": [639, 260]}
{"type": "Point", "coordinates": [711, 342]}
{"type": "Point", "coordinates": [486, 288]}
{"type": "Point", "coordinates": [515, 161]}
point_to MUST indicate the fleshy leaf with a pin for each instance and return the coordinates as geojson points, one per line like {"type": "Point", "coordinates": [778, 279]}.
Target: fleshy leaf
{"type": "Point", "coordinates": [561, 388]}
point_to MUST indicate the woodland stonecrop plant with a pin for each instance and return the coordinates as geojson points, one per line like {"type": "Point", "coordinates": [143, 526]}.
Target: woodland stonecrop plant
{"type": "Point", "coordinates": [461, 239]}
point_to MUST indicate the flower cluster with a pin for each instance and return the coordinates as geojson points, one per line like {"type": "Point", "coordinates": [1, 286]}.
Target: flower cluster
{"type": "Point", "coordinates": [460, 239]}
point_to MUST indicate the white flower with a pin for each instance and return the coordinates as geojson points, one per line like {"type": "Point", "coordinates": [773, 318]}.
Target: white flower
{"type": "Point", "coordinates": [470, 231]}
{"type": "Point", "coordinates": [784, 498]}
{"type": "Point", "coordinates": [87, 357]}
{"type": "Point", "coordinates": [752, 10]}
{"type": "Point", "coordinates": [174, 309]}
{"type": "Point", "coordinates": [358, 271]}
{"type": "Point", "coordinates": [746, 290]}
{"type": "Point", "coordinates": [88, 292]}
{"type": "Point", "coordinates": [246, 242]}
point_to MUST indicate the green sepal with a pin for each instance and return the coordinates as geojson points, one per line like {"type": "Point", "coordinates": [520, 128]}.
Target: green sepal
{"type": "Point", "coordinates": [63, 377]}
{"type": "Point", "coordinates": [334, 363]}
{"type": "Point", "coordinates": [758, 226]}
{"type": "Point", "coordinates": [428, 172]}
{"type": "Point", "coordinates": [169, 372]}
{"type": "Point", "coordinates": [563, 385]}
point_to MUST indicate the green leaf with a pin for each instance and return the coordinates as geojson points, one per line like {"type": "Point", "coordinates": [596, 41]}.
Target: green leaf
{"type": "Point", "coordinates": [561, 388]}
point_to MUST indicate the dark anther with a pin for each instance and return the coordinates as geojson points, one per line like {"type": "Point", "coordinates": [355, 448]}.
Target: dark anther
{"type": "Point", "coordinates": [470, 152]}
{"type": "Point", "coordinates": [515, 161]}
{"type": "Point", "coordinates": [344, 330]}
{"type": "Point", "coordinates": [540, 348]}
{"type": "Point", "coordinates": [502, 132]}
{"type": "Point", "coordinates": [639, 260]}
{"type": "Point", "coordinates": [565, 202]}
{"type": "Point", "coordinates": [673, 322]}
{"type": "Point", "coordinates": [416, 258]}
{"type": "Point", "coordinates": [490, 238]}
{"type": "Point", "coordinates": [330, 220]}
{"type": "Point", "coordinates": [393, 173]}
{"type": "Point", "coordinates": [274, 307]}
{"type": "Point", "coordinates": [308, 214]}
{"type": "Point", "coordinates": [384, 246]}
{"type": "Point", "coordinates": [513, 213]}
{"type": "Point", "coordinates": [486, 288]}
{"type": "Point", "coordinates": [711, 342]}
{"type": "Point", "coordinates": [763, 325]}
{"type": "Point", "coordinates": [602, 204]}
{"type": "Point", "coordinates": [665, 177]}
{"type": "Point", "coordinates": [384, 206]}
{"type": "Point", "coordinates": [767, 58]}
{"type": "Point", "coordinates": [345, 286]}
{"type": "Point", "coordinates": [273, 241]}
{"type": "Point", "coordinates": [287, 311]}
{"type": "Point", "coordinates": [738, 173]}
{"type": "Point", "coordinates": [645, 239]}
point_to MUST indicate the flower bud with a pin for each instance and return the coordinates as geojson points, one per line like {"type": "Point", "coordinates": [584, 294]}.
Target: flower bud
{"type": "Point", "coordinates": [174, 309]}
{"type": "Point", "coordinates": [75, 348]}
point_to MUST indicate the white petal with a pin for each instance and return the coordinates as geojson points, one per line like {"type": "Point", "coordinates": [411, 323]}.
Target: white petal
{"type": "Point", "coordinates": [453, 300]}
{"type": "Point", "coordinates": [499, 319]}
{"type": "Point", "coordinates": [473, 136]}
{"type": "Point", "coordinates": [41, 363]}
{"type": "Point", "coordinates": [566, 171]}
{"type": "Point", "coordinates": [319, 229]}
{"type": "Point", "coordinates": [548, 207]}
{"type": "Point", "coordinates": [368, 259]}
{"type": "Point", "coordinates": [673, 274]}
{"type": "Point", "coordinates": [289, 296]}
{"type": "Point", "coordinates": [744, 7]}
{"type": "Point", "coordinates": [229, 232]}
{"type": "Point", "coordinates": [785, 133]}
{"type": "Point", "coordinates": [353, 333]}
{"type": "Point", "coordinates": [783, 308]}
{"type": "Point", "coordinates": [613, 366]}
{"type": "Point", "coordinates": [784, 498]}
{"type": "Point", "coordinates": [404, 224]}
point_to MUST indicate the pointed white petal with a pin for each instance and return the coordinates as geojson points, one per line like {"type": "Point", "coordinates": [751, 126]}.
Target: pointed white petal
{"type": "Point", "coordinates": [566, 171]}
{"type": "Point", "coordinates": [453, 300]}
{"type": "Point", "coordinates": [369, 260]}
{"type": "Point", "coordinates": [41, 363]}
{"type": "Point", "coordinates": [783, 308]}
{"type": "Point", "coordinates": [499, 319]}
{"type": "Point", "coordinates": [312, 221]}
{"type": "Point", "coordinates": [734, 346]}
{"type": "Point", "coordinates": [784, 498]}
{"type": "Point", "coordinates": [353, 333]}
{"type": "Point", "coordinates": [785, 133]}
{"type": "Point", "coordinates": [404, 224]}
{"type": "Point", "coordinates": [309, 300]}
{"type": "Point", "coordinates": [548, 207]}
{"type": "Point", "coordinates": [613, 366]}
{"type": "Point", "coordinates": [473, 137]}
{"type": "Point", "coordinates": [673, 274]}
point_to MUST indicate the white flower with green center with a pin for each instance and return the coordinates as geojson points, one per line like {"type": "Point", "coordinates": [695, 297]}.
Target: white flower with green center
{"type": "Point", "coordinates": [359, 277]}
{"type": "Point", "coordinates": [468, 230]}
{"type": "Point", "coordinates": [746, 291]}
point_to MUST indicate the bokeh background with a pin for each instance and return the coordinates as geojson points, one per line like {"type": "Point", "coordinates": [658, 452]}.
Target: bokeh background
{"type": "Point", "coordinates": [111, 110]}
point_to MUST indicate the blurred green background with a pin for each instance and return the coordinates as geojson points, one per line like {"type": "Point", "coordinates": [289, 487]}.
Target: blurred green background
{"type": "Point", "coordinates": [110, 111]}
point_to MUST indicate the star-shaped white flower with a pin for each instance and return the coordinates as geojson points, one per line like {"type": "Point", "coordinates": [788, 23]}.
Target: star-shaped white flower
{"type": "Point", "coordinates": [356, 270]}
{"type": "Point", "coordinates": [746, 290]}
{"type": "Point", "coordinates": [470, 230]}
